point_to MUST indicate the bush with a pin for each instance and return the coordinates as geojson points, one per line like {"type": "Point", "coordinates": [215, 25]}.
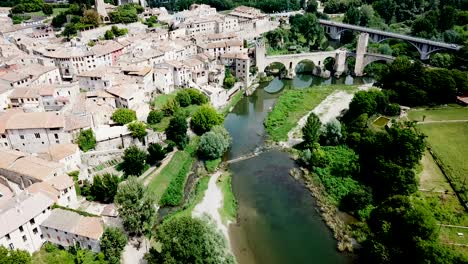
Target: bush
{"type": "Point", "coordinates": [393, 110]}
{"type": "Point", "coordinates": [109, 35]}
{"type": "Point", "coordinates": [86, 140]}
{"type": "Point", "coordinates": [156, 153]}
{"type": "Point", "coordinates": [154, 117]}
{"type": "Point", "coordinates": [104, 187]}
{"type": "Point", "coordinates": [177, 130]}
{"type": "Point", "coordinates": [138, 130]}
{"type": "Point", "coordinates": [170, 108]}
{"type": "Point", "coordinates": [196, 97]}
{"type": "Point", "coordinates": [204, 119]}
{"type": "Point", "coordinates": [183, 98]}
{"type": "Point", "coordinates": [123, 116]}
{"type": "Point", "coordinates": [212, 145]}
{"type": "Point", "coordinates": [47, 9]}
{"type": "Point", "coordinates": [174, 193]}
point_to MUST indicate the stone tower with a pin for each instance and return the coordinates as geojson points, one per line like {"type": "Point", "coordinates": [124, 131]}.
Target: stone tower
{"type": "Point", "coordinates": [361, 51]}
{"type": "Point", "coordinates": [260, 52]}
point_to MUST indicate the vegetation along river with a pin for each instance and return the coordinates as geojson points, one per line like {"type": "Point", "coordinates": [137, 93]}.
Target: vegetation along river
{"type": "Point", "coordinates": [277, 218]}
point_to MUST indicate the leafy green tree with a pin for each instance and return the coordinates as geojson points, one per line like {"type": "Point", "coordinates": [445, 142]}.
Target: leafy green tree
{"type": "Point", "coordinates": [356, 200]}
{"type": "Point", "coordinates": [104, 187]}
{"type": "Point", "coordinates": [154, 117]}
{"type": "Point", "coordinates": [352, 16]}
{"type": "Point", "coordinates": [177, 130]}
{"type": "Point", "coordinates": [170, 108]}
{"type": "Point", "coordinates": [311, 130]}
{"type": "Point", "coordinates": [183, 98]}
{"type": "Point", "coordinates": [188, 240]}
{"type": "Point", "coordinates": [212, 145]}
{"type": "Point", "coordinates": [91, 17]}
{"type": "Point", "coordinates": [443, 60]}
{"type": "Point", "coordinates": [59, 20]}
{"type": "Point", "coordinates": [47, 9]}
{"type": "Point", "coordinates": [331, 133]}
{"type": "Point", "coordinates": [113, 241]}
{"type": "Point", "coordinates": [86, 140]}
{"type": "Point", "coordinates": [229, 79]}
{"type": "Point", "coordinates": [138, 130]}
{"type": "Point", "coordinates": [14, 256]}
{"type": "Point", "coordinates": [308, 26]}
{"type": "Point", "coordinates": [196, 97]}
{"type": "Point", "coordinates": [109, 35]}
{"type": "Point", "coordinates": [69, 30]}
{"type": "Point", "coordinates": [135, 206]}
{"type": "Point", "coordinates": [156, 153]}
{"type": "Point", "coordinates": [123, 116]}
{"type": "Point", "coordinates": [126, 14]}
{"type": "Point", "coordinates": [134, 161]}
{"type": "Point", "coordinates": [204, 119]}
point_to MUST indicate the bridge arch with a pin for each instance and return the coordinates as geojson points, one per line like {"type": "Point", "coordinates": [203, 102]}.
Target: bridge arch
{"type": "Point", "coordinates": [423, 50]}
{"type": "Point", "coordinates": [305, 66]}
{"type": "Point", "coordinates": [276, 67]}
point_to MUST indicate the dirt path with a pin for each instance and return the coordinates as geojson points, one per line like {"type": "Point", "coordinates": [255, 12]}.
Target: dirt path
{"type": "Point", "coordinates": [328, 109]}
{"type": "Point", "coordinates": [151, 173]}
{"type": "Point", "coordinates": [211, 203]}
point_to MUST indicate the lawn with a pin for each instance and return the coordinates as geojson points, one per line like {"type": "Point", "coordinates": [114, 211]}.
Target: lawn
{"type": "Point", "coordinates": [448, 143]}
{"type": "Point", "coordinates": [40, 13]}
{"type": "Point", "coordinates": [229, 210]}
{"type": "Point", "coordinates": [381, 121]}
{"type": "Point", "coordinates": [161, 100]}
{"type": "Point", "coordinates": [160, 182]}
{"type": "Point", "coordinates": [293, 104]}
{"type": "Point", "coordinates": [431, 177]}
{"type": "Point", "coordinates": [439, 114]}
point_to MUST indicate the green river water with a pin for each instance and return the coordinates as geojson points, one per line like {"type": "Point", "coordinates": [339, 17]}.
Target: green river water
{"type": "Point", "coordinates": [278, 221]}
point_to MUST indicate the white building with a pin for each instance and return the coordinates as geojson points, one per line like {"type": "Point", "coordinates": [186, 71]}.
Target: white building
{"type": "Point", "coordinates": [20, 218]}
{"type": "Point", "coordinates": [66, 228]}
{"type": "Point", "coordinates": [66, 154]}
{"type": "Point", "coordinates": [32, 74]}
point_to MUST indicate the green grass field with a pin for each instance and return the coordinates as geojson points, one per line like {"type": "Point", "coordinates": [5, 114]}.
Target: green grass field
{"type": "Point", "coordinates": [293, 104]}
{"type": "Point", "coordinates": [229, 210]}
{"type": "Point", "coordinates": [161, 100]}
{"type": "Point", "coordinates": [439, 114]}
{"type": "Point", "coordinates": [40, 13]}
{"type": "Point", "coordinates": [448, 142]}
{"type": "Point", "coordinates": [160, 182]}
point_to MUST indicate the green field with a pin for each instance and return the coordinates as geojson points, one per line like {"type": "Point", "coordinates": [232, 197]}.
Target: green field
{"type": "Point", "coordinates": [40, 13]}
{"type": "Point", "coordinates": [439, 114]}
{"type": "Point", "coordinates": [160, 182]}
{"type": "Point", "coordinates": [293, 104]}
{"type": "Point", "coordinates": [448, 143]}
{"type": "Point", "coordinates": [229, 210]}
{"type": "Point", "coordinates": [161, 100]}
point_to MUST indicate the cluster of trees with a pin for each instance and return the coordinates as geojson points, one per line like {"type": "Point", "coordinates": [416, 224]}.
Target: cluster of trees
{"type": "Point", "coordinates": [115, 32]}
{"type": "Point", "coordinates": [126, 14]}
{"type": "Point", "coordinates": [29, 6]}
{"type": "Point", "coordinates": [370, 173]}
{"type": "Point", "coordinates": [305, 33]}
{"type": "Point", "coordinates": [136, 161]}
{"type": "Point", "coordinates": [103, 188]}
{"type": "Point", "coordinates": [188, 240]}
{"type": "Point", "coordinates": [52, 254]}
{"type": "Point", "coordinates": [14, 256]}
{"type": "Point", "coordinates": [410, 83]}
{"type": "Point", "coordinates": [80, 18]}
{"type": "Point", "coordinates": [86, 140]}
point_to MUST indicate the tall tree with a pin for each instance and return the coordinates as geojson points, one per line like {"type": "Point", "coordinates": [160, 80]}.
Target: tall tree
{"type": "Point", "coordinates": [113, 241]}
{"type": "Point", "coordinates": [311, 130]}
{"type": "Point", "coordinates": [134, 161]}
{"type": "Point", "coordinates": [177, 130]}
{"type": "Point", "coordinates": [135, 206]}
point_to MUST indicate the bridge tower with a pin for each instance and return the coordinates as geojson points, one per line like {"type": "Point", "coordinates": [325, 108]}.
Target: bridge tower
{"type": "Point", "coordinates": [260, 52]}
{"type": "Point", "coordinates": [361, 51]}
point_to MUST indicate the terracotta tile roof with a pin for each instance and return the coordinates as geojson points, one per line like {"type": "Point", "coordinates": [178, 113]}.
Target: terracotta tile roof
{"type": "Point", "coordinates": [36, 120]}
{"type": "Point", "coordinates": [8, 157]}
{"type": "Point", "coordinates": [45, 189]}
{"type": "Point", "coordinates": [57, 152]}
{"type": "Point", "coordinates": [74, 223]}
{"type": "Point", "coordinates": [36, 168]}
{"type": "Point", "coordinates": [21, 92]}
{"type": "Point", "coordinates": [61, 182]}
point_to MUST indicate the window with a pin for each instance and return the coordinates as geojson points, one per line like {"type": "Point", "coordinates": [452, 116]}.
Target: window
{"type": "Point", "coordinates": [8, 236]}
{"type": "Point", "coordinates": [48, 235]}
{"type": "Point", "coordinates": [32, 221]}
{"type": "Point", "coordinates": [3, 136]}
{"type": "Point", "coordinates": [35, 230]}
{"type": "Point", "coordinates": [57, 141]}
{"type": "Point", "coordinates": [22, 136]}
{"type": "Point", "coordinates": [11, 246]}
{"type": "Point", "coordinates": [58, 238]}
{"type": "Point", "coordinates": [42, 236]}
{"type": "Point", "coordinates": [21, 229]}
{"type": "Point", "coordinates": [43, 213]}
{"type": "Point", "coordinates": [56, 136]}
{"type": "Point", "coordinates": [24, 238]}
{"type": "Point", "coordinates": [89, 247]}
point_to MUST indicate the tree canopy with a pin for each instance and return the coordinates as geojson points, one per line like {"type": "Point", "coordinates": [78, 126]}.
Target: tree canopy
{"type": "Point", "coordinates": [177, 130]}
{"type": "Point", "coordinates": [113, 241]}
{"type": "Point", "coordinates": [204, 119]}
{"type": "Point", "coordinates": [123, 116]}
{"type": "Point", "coordinates": [134, 161]}
{"type": "Point", "coordinates": [138, 130]}
{"type": "Point", "coordinates": [86, 140]}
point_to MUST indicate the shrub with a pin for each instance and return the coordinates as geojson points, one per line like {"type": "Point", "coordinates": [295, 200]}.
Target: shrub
{"type": "Point", "coordinates": [204, 119]}
{"type": "Point", "coordinates": [154, 117]}
{"type": "Point", "coordinates": [155, 153]}
{"type": "Point", "coordinates": [212, 145]}
{"type": "Point", "coordinates": [183, 98]}
{"type": "Point", "coordinates": [123, 116]}
{"type": "Point", "coordinates": [47, 9]}
{"type": "Point", "coordinates": [196, 97]}
{"type": "Point", "coordinates": [174, 193]}
{"type": "Point", "coordinates": [170, 108]}
{"type": "Point", "coordinates": [134, 161]}
{"type": "Point", "coordinates": [86, 140]}
{"type": "Point", "coordinates": [138, 130]}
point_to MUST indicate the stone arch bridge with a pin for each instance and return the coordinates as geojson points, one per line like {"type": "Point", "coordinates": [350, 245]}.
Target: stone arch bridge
{"type": "Point", "coordinates": [290, 61]}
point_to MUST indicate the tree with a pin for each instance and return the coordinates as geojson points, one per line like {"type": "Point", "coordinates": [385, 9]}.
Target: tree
{"type": "Point", "coordinates": [154, 117]}
{"type": "Point", "coordinates": [59, 20]}
{"type": "Point", "coordinates": [86, 140]}
{"type": "Point", "coordinates": [224, 133]}
{"type": "Point", "coordinates": [443, 60]}
{"type": "Point", "coordinates": [177, 130]}
{"type": "Point", "coordinates": [309, 27]}
{"type": "Point", "coordinates": [170, 107]}
{"type": "Point", "coordinates": [183, 98]}
{"type": "Point", "coordinates": [113, 241]}
{"type": "Point", "coordinates": [188, 240]}
{"type": "Point", "coordinates": [311, 130]}
{"type": "Point", "coordinates": [69, 30]}
{"type": "Point", "coordinates": [204, 119]}
{"type": "Point", "coordinates": [47, 9]}
{"type": "Point", "coordinates": [156, 153]}
{"type": "Point", "coordinates": [123, 116]}
{"type": "Point", "coordinates": [196, 97]}
{"type": "Point", "coordinates": [109, 35]}
{"type": "Point", "coordinates": [352, 16]}
{"type": "Point", "coordinates": [134, 161]}
{"type": "Point", "coordinates": [138, 130]}
{"type": "Point", "coordinates": [331, 133]}
{"type": "Point", "coordinates": [14, 256]}
{"type": "Point", "coordinates": [104, 187]}
{"type": "Point", "coordinates": [212, 145]}
{"type": "Point", "coordinates": [91, 17]}
{"type": "Point", "coordinates": [229, 79]}
{"type": "Point", "coordinates": [135, 206]}
{"type": "Point", "coordinates": [127, 13]}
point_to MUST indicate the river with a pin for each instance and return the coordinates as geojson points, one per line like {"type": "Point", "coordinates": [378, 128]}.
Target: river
{"type": "Point", "coordinates": [278, 221]}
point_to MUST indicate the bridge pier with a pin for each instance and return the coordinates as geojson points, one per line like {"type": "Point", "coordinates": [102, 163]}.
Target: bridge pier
{"type": "Point", "coordinates": [340, 63]}
{"type": "Point", "coordinates": [361, 51]}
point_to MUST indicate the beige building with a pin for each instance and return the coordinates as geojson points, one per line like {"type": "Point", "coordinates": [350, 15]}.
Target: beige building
{"type": "Point", "coordinates": [216, 49]}
{"type": "Point", "coordinates": [27, 75]}
{"type": "Point", "coordinates": [20, 219]}
{"type": "Point", "coordinates": [67, 154]}
{"type": "Point", "coordinates": [66, 228]}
